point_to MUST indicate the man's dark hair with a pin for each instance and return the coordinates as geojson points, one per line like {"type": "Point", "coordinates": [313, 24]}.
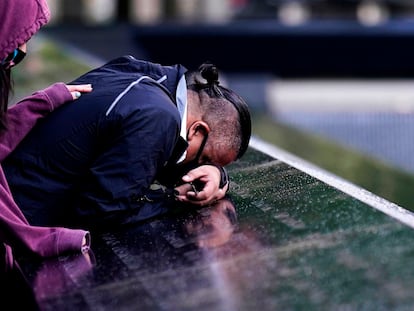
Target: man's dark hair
{"type": "Point", "coordinates": [217, 103]}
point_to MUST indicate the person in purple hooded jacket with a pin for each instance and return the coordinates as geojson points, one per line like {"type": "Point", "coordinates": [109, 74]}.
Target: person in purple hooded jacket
{"type": "Point", "coordinates": [19, 21]}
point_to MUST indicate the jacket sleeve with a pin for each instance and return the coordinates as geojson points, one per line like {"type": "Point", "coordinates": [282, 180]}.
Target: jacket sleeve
{"type": "Point", "coordinates": [16, 232]}
{"type": "Point", "coordinates": [22, 116]}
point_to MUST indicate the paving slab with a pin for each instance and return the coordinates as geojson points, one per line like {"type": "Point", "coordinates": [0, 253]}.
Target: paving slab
{"type": "Point", "coordinates": [286, 238]}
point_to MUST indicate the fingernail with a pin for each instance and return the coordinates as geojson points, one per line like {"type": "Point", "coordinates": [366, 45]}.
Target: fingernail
{"type": "Point", "coordinates": [77, 94]}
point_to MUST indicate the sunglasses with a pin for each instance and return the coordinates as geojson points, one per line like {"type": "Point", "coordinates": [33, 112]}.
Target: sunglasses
{"type": "Point", "coordinates": [13, 58]}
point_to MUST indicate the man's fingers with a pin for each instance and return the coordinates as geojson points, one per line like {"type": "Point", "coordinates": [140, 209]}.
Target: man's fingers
{"type": "Point", "coordinates": [189, 177]}
{"type": "Point", "coordinates": [183, 189]}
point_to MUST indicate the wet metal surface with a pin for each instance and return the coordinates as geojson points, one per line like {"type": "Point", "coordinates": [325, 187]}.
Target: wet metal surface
{"type": "Point", "coordinates": [296, 243]}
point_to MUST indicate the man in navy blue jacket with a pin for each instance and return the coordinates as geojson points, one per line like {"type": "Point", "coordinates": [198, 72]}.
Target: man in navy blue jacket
{"type": "Point", "coordinates": [146, 133]}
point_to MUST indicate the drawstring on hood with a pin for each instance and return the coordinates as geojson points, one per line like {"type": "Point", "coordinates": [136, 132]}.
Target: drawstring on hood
{"type": "Point", "coordinates": [19, 21]}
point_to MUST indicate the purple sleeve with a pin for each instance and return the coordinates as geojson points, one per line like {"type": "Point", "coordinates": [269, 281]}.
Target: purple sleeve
{"type": "Point", "coordinates": [22, 116]}
{"type": "Point", "coordinates": [42, 241]}
{"type": "Point", "coordinates": [15, 231]}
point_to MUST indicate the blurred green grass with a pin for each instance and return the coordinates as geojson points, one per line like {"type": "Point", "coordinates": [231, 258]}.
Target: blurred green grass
{"type": "Point", "coordinates": [377, 177]}
{"type": "Point", "coordinates": [45, 63]}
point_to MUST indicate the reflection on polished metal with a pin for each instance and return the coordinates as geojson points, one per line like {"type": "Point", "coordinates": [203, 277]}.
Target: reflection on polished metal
{"type": "Point", "coordinates": [297, 243]}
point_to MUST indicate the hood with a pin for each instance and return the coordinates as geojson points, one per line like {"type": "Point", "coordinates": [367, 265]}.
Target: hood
{"type": "Point", "coordinates": [19, 21]}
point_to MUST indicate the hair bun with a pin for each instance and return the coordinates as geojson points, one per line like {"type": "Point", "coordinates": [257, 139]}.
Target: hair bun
{"type": "Point", "coordinates": [210, 73]}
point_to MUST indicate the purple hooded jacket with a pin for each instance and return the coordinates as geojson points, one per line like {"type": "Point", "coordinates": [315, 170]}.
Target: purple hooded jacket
{"type": "Point", "coordinates": [19, 20]}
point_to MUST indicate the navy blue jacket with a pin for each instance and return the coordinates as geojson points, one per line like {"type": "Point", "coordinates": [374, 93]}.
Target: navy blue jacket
{"type": "Point", "coordinates": [91, 162]}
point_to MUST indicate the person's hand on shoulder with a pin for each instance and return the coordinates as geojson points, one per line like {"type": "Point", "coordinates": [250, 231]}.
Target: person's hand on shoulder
{"type": "Point", "coordinates": [77, 90]}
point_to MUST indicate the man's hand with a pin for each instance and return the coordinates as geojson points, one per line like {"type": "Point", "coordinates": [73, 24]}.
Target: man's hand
{"type": "Point", "coordinates": [209, 176]}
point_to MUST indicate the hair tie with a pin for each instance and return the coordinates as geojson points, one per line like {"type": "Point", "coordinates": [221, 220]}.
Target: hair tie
{"type": "Point", "coordinates": [210, 73]}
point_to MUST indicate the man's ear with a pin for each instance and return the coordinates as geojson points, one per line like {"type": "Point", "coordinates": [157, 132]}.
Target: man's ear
{"type": "Point", "coordinates": [198, 128]}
